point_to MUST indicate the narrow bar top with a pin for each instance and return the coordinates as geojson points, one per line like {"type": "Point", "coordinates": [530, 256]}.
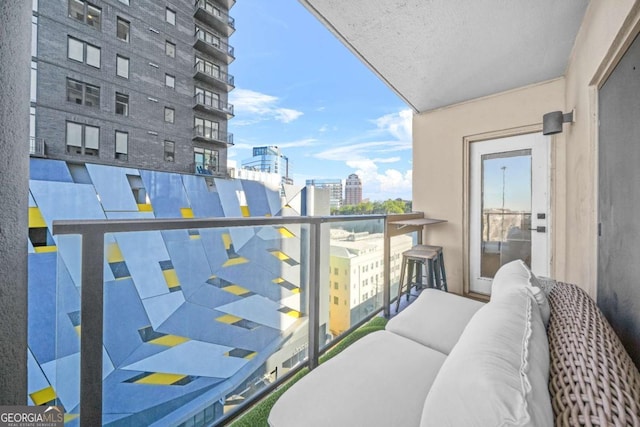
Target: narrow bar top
{"type": "Point", "coordinates": [417, 222]}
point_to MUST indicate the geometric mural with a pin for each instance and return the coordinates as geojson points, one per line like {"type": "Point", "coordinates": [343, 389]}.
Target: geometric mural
{"type": "Point", "coordinates": [189, 315]}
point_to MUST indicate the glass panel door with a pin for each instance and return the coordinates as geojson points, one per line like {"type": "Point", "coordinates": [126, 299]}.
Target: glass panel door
{"type": "Point", "coordinates": [508, 207]}
{"type": "Point", "coordinates": [506, 210]}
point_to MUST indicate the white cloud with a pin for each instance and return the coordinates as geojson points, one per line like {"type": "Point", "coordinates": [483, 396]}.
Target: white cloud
{"type": "Point", "coordinates": [397, 124]}
{"type": "Point", "coordinates": [242, 146]}
{"type": "Point", "coordinates": [364, 151]}
{"type": "Point", "coordinates": [300, 143]}
{"type": "Point", "coordinates": [251, 107]}
{"type": "Point", "coordinates": [382, 185]}
{"type": "Point", "coordinates": [286, 115]}
{"type": "Point", "coordinates": [367, 158]}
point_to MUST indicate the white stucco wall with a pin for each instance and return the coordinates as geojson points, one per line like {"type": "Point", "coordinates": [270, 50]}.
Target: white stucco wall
{"type": "Point", "coordinates": [439, 163]}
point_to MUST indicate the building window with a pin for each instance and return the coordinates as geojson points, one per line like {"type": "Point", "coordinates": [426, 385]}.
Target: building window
{"type": "Point", "coordinates": [335, 300]}
{"type": "Point", "coordinates": [34, 81]}
{"type": "Point", "coordinates": [122, 66]}
{"type": "Point", "coordinates": [122, 30]}
{"type": "Point", "coordinates": [170, 49]}
{"type": "Point", "coordinates": [83, 139]}
{"type": "Point", "coordinates": [335, 285]}
{"type": "Point", "coordinates": [122, 104]}
{"type": "Point", "coordinates": [169, 81]}
{"type": "Point", "coordinates": [206, 128]}
{"type": "Point", "coordinates": [83, 11]}
{"type": "Point", "coordinates": [169, 114]}
{"type": "Point", "coordinates": [124, 2]}
{"type": "Point", "coordinates": [206, 160]}
{"type": "Point", "coordinates": [122, 145]}
{"type": "Point", "coordinates": [169, 151]}
{"type": "Point", "coordinates": [32, 122]}
{"type": "Point", "coordinates": [34, 36]}
{"type": "Point", "coordinates": [83, 93]}
{"type": "Point", "coordinates": [170, 16]}
{"type": "Point", "coordinates": [80, 51]}
{"type": "Point", "coordinates": [208, 67]}
{"type": "Point", "coordinates": [205, 97]}
{"type": "Point", "coordinates": [208, 37]}
{"type": "Point", "coordinates": [93, 55]}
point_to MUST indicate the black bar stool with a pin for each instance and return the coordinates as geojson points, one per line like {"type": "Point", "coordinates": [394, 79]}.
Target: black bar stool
{"type": "Point", "coordinates": [442, 285]}
{"type": "Point", "coordinates": [413, 260]}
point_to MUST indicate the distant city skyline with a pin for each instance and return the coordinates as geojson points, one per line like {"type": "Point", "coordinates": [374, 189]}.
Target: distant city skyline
{"type": "Point", "coordinates": [299, 88]}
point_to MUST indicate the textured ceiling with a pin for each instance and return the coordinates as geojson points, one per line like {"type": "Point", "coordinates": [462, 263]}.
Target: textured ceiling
{"type": "Point", "coordinates": [435, 53]}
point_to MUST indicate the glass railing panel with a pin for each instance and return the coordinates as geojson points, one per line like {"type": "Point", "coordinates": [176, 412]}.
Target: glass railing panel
{"type": "Point", "coordinates": [354, 284]}
{"type": "Point", "coordinates": [198, 321]}
{"type": "Point", "coordinates": [59, 280]}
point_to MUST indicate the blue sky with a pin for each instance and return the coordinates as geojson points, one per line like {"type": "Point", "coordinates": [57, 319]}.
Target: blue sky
{"type": "Point", "coordinates": [301, 89]}
{"type": "Point", "coordinates": [517, 189]}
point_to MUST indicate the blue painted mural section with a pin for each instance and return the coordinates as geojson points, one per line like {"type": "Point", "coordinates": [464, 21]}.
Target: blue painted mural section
{"type": "Point", "coordinates": [190, 316]}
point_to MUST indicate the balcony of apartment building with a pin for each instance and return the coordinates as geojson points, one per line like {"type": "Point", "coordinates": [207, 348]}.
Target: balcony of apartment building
{"type": "Point", "coordinates": [228, 4]}
{"type": "Point", "coordinates": [208, 169]}
{"type": "Point", "coordinates": [482, 78]}
{"type": "Point", "coordinates": [210, 13]}
{"type": "Point", "coordinates": [209, 42]}
{"type": "Point", "coordinates": [210, 73]}
{"type": "Point", "coordinates": [207, 103]}
{"type": "Point", "coordinates": [211, 135]}
{"type": "Point", "coordinates": [37, 147]}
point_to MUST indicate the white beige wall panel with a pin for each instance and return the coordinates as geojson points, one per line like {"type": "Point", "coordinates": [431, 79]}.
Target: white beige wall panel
{"type": "Point", "coordinates": [439, 164]}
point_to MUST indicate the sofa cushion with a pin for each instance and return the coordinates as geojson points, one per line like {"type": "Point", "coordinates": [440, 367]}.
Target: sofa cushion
{"type": "Point", "coordinates": [497, 374]}
{"type": "Point", "coordinates": [516, 274]}
{"type": "Point", "coordinates": [380, 380]}
{"type": "Point", "coordinates": [511, 275]}
{"type": "Point", "coordinates": [435, 319]}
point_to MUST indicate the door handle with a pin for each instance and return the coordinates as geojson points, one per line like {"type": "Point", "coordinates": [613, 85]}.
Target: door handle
{"type": "Point", "coordinates": [539, 229]}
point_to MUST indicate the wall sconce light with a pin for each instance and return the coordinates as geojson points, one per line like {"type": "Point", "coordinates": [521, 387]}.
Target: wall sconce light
{"type": "Point", "coordinates": [552, 122]}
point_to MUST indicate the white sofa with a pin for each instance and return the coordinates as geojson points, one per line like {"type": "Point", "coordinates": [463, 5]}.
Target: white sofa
{"type": "Point", "coordinates": [444, 361]}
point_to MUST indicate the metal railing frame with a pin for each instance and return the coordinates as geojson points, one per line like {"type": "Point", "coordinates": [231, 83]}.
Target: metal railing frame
{"type": "Point", "coordinates": [219, 105]}
{"type": "Point", "coordinates": [36, 146]}
{"type": "Point", "coordinates": [221, 76]}
{"type": "Point", "coordinates": [223, 17]}
{"type": "Point", "coordinates": [223, 47]}
{"type": "Point", "coordinates": [92, 234]}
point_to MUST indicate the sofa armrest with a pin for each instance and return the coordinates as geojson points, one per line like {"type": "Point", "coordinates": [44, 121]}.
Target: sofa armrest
{"type": "Point", "coordinates": [593, 380]}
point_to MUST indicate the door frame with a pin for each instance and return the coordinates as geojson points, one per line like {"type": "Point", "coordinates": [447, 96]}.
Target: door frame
{"type": "Point", "coordinates": [466, 199]}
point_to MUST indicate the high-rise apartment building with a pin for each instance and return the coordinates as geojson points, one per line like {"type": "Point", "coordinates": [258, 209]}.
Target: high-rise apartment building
{"type": "Point", "coordinates": [139, 83]}
{"type": "Point", "coordinates": [269, 159]}
{"type": "Point", "coordinates": [335, 189]}
{"type": "Point", "coordinates": [353, 190]}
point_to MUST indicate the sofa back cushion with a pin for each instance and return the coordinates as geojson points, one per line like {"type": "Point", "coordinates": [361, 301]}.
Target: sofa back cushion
{"type": "Point", "coordinates": [435, 319]}
{"type": "Point", "coordinates": [497, 374]}
{"type": "Point", "coordinates": [516, 274]}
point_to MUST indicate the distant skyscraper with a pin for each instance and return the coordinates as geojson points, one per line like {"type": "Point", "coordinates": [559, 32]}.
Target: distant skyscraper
{"type": "Point", "coordinates": [335, 187]}
{"type": "Point", "coordinates": [269, 159]}
{"type": "Point", "coordinates": [353, 190]}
